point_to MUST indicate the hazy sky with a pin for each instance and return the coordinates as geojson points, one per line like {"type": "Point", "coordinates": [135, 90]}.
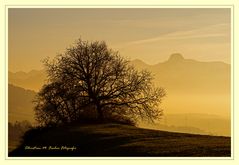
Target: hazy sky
{"type": "Point", "coordinates": [147, 34]}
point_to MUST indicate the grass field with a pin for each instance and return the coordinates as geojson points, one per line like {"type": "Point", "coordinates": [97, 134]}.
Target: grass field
{"type": "Point", "coordinates": [119, 140]}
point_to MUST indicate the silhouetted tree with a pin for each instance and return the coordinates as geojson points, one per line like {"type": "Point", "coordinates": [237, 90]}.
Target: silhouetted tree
{"type": "Point", "coordinates": [89, 76]}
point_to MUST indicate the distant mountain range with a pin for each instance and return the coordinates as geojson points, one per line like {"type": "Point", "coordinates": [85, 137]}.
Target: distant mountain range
{"type": "Point", "coordinates": [175, 75]}
{"type": "Point", "coordinates": [189, 76]}
{"type": "Point", "coordinates": [192, 86]}
{"type": "Point", "coordinates": [32, 80]}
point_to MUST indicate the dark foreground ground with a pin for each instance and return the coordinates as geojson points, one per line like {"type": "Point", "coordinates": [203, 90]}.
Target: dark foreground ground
{"type": "Point", "coordinates": [119, 140]}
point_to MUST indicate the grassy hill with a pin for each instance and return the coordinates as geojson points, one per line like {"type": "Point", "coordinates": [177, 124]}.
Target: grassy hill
{"type": "Point", "coordinates": [119, 140]}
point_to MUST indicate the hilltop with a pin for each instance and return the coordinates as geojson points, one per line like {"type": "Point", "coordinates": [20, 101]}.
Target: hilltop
{"type": "Point", "coordinates": [119, 140]}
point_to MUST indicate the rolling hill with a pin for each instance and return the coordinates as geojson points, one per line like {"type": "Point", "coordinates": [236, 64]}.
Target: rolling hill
{"type": "Point", "coordinates": [20, 105]}
{"type": "Point", "coordinates": [118, 140]}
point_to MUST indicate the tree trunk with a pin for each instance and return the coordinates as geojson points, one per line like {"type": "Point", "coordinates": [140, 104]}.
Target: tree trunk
{"type": "Point", "coordinates": [100, 113]}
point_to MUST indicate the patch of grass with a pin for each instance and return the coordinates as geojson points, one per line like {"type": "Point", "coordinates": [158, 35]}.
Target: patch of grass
{"type": "Point", "coordinates": [120, 140]}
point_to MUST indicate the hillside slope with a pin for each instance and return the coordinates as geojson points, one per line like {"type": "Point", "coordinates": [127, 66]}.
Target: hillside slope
{"type": "Point", "coordinates": [119, 140]}
{"type": "Point", "coordinates": [20, 104]}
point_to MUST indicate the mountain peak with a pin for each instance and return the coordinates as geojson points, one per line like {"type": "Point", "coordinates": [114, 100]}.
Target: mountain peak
{"type": "Point", "coordinates": [176, 57]}
{"type": "Point", "coordinates": [137, 61]}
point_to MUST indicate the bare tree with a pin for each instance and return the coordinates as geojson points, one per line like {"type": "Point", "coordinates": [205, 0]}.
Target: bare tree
{"type": "Point", "coordinates": [91, 74]}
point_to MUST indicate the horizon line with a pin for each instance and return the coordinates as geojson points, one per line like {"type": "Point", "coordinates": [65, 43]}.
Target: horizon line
{"type": "Point", "coordinates": [134, 59]}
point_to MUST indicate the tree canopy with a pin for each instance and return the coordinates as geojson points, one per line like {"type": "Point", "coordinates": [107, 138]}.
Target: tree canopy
{"type": "Point", "coordinates": [89, 80]}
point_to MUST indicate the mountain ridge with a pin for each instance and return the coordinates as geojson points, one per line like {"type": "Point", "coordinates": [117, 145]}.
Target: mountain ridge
{"type": "Point", "coordinates": [32, 80]}
{"type": "Point", "coordinates": [177, 57]}
{"type": "Point", "coordinates": [173, 57]}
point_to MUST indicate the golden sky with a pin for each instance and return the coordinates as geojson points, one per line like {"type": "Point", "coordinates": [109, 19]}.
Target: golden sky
{"type": "Point", "coordinates": [147, 34]}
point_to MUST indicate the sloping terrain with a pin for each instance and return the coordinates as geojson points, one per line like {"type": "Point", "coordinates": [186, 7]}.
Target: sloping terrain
{"type": "Point", "coordinates": [119, 140]}
{"type": "Point", "coordinates": [20, 104]}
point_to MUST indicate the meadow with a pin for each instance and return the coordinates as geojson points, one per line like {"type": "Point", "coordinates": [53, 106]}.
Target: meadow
{"type": "Point", "coordinates": [118, 140]}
